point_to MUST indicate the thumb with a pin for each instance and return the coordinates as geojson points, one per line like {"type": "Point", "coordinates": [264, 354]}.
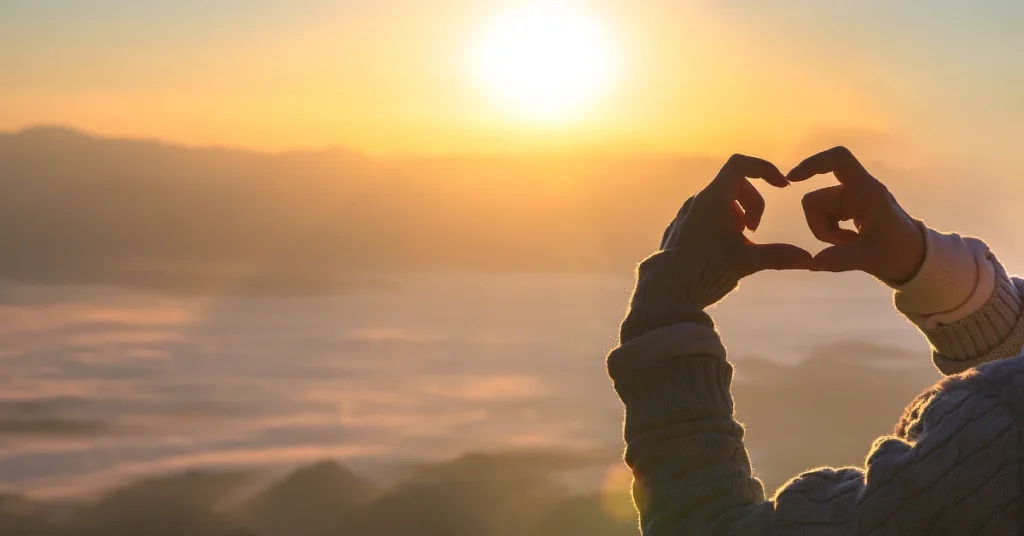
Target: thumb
{"type": "Point", "coordinates": [841, 258]}
{"type": "Point", "coordinates": [760, 257]}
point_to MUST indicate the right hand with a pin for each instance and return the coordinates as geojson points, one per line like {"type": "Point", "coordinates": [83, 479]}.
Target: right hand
{"type": "Point", "coordinates": [711, 223]}
{"type": "Point", "coordinates": [888, 244]}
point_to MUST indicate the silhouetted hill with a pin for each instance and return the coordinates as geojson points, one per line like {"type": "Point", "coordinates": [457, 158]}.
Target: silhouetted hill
{"type": "Point", "coordinates": [162, 506]}
{"type": "Point", "coordinates": [486, 498]}
{"type": "Point", "coordinates": [472, 495]}
{"type": "Point", "coordinates": [826, 410]}
{"type": "Point", "coordinates": [317, 499]}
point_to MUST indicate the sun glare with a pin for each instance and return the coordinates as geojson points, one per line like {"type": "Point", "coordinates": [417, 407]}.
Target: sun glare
{"type": "Point", "coordinates": [546, 61]}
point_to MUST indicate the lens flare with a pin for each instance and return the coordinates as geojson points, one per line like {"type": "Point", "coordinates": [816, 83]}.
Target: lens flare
{"type": "Point", "coordinates": [615, 493]}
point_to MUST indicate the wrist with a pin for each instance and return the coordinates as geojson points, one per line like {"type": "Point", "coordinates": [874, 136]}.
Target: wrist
{"type": "Point", "coordinates": [947, 278]}
{"type": "Point", "coordinates": [917, 252]}
{"type": "Point", "coordinates": [675, 286]}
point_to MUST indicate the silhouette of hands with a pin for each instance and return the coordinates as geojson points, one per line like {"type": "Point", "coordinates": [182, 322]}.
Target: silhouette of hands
{"type": "Point", "coordinates": [888, 243]}
{"type": "Point", "coordinates": [711, 223]}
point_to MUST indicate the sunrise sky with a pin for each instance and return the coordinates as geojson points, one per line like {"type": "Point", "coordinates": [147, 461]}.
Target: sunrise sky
{"type": "Point", "coordinates": [399, 77]}
{"type": "Point", "coordinates": [166, 307]}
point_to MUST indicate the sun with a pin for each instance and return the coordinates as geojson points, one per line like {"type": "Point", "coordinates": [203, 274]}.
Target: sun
{"type": "Point", "coordinates": [545, 61]}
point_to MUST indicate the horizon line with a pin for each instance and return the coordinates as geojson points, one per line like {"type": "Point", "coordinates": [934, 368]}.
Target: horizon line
{"type": "Point", "coordinates": [569, 150]}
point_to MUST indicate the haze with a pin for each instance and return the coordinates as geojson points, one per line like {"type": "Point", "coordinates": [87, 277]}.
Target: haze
{"type": "Point", "coordinates": [240, 238]}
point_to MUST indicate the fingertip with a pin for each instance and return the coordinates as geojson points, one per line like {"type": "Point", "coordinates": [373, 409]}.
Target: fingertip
{"type": "Point", "coordinates": [799, 173]}
{"type": "Point", "coordinates": [839, 258]}
{"type": "Point", "coordinates": [777, 179]}
{"type": "Point", "coordinates": [803, 260]}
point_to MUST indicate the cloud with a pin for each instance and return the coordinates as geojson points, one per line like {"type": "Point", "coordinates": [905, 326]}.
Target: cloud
{"type": "Point", "coordinates": [53, 427]}
{"type": "Point", "coordinates": [389, 335]}
{"type": "Point", "coordinates": [42, 418]}
{"type": "Point", "coordinates": [490, 388]}
{"type": "Point", "coordinates": [870, 145]}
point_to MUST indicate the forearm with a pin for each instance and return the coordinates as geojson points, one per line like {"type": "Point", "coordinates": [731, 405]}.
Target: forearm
{"type": "Point", "coordinates": [673, 287]}
{"type": "Point", "coordinates": [682, 443]}
{"type": "Point", "coordinates": [686, 451]}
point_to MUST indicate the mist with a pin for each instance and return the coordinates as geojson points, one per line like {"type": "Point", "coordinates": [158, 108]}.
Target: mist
{"type": "Point", "coordinates": [212, 341]}
{"type": "Point", "coordinates": [83, 209]}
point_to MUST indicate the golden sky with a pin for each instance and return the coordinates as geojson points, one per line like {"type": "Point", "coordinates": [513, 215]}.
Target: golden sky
{"type": "Point", "coordinates": [394, 77]}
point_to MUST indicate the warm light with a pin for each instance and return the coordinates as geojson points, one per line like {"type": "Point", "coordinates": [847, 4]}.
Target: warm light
{"type": "Point", "coordinates": [616, 500]}
{"type": "Point", "coordinates": [547, 61]}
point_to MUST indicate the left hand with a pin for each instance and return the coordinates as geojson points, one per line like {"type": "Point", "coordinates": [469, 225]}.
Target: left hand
{"type": "Point", "coordinates": [888, 243]}
{"type": "Point", "coordinates": [712, 222]}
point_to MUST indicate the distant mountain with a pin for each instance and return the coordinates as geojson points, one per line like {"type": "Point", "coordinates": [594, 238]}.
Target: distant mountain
{"type": "Point", "coordinates": [76, 208]}
{"type": "Point", "coordinates": [169, 505]}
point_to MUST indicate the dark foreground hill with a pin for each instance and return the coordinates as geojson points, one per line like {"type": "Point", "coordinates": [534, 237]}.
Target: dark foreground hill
{"type": "Point", "coordinates": [477, 495]}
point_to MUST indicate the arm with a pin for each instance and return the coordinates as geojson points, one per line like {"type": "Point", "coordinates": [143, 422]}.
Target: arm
{"type": "Point", "coordinates": [686, 451]}
{"type": "Point", "coordinates": [692, 473]}
{"type": "Point", "coordinates": [952, 288]}
{"type": "Point", "coordinates": [949, 469]}
{"type": "Point", "coordinates": [965, 303]}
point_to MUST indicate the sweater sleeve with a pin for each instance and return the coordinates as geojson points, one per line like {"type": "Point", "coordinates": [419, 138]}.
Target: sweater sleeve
{"type": "Point", "coordinates": [949, 466]}
{"type": "Point", "coordinates": [965, 303]}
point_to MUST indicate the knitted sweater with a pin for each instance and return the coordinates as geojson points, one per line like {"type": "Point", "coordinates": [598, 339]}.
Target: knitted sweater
{"type": "Point", "coordinates": [952, 465]}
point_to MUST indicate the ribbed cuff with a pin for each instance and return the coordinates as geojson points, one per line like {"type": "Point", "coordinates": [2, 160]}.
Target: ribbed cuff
{"type": "Point", "coordinates": [945, 281]}
{"type": "Point", "coordinates": [674, 286]}
{"type": "Point", "coordinates": [970, 341]}
{"type": "Point", "coordinates": [674, 374]}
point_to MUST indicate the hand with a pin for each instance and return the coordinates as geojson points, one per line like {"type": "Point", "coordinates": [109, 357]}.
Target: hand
{"type": "Point", "coordinates": [712, 222]}
{"type": "Point", "coordinates": [888, 243]}
{"type": "Point", "coordinates": [704, 253]}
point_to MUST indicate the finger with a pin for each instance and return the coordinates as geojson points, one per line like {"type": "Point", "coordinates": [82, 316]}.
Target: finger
{"type": "Point", "coordinates": [737, 214]}
{"type": "Point", "coordinates": [842, 258]}
{"type": "Point", "coordinates": [752, 202]}
{"type": "Point", "coordinates": [823, 210]}
{"type": "Point", "coordinates": [739, 167]}
{"type": "Point", "coordinates": [837, 160]}
{"type": "Point", "coordinates": [760, 257]}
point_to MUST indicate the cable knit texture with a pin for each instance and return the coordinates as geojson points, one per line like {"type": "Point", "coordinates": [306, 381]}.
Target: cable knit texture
{"type": "Point", "coordinates": [964, 302]}
{"type": "Point", "coordinates": [952, 466]}
{"type": "Point", "coordinates": [991, 333]}
{"type": "Point", "coordinates": [674, 286]}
